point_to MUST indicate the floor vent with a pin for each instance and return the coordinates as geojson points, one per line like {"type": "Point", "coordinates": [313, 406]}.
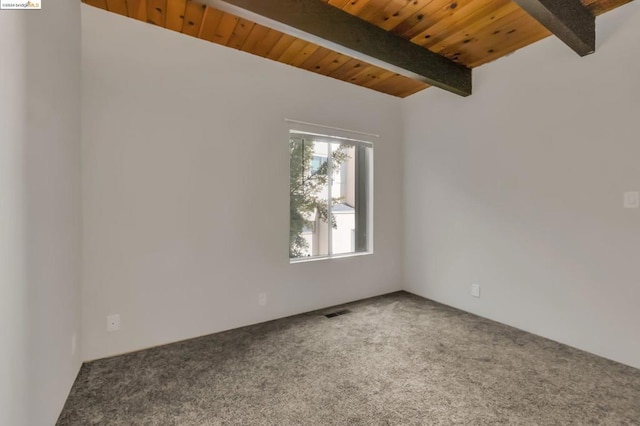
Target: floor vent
{"type": "Point", "coordinates": [338, 313]}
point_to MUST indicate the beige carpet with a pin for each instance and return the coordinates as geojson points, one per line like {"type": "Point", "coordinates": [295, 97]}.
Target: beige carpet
{"type": "Point", "coordinates": [393, 360]}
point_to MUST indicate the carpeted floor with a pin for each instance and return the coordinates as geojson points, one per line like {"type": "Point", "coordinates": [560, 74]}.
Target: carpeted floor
{"type": "Point", "coordinates": [394, 360]}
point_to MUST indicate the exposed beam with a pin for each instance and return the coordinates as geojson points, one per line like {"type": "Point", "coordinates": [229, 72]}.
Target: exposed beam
{"type": "Point", "coordinates": [569, 20]}
{"type": "Point", "coordinates": [320, 23]}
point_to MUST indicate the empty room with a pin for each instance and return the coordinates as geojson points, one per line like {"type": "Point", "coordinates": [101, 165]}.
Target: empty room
{"type": "Point", "coordinates": [319, 212]}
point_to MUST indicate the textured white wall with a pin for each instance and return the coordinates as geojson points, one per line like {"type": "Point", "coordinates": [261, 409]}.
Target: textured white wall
{"type": "Point", "coordinates": [186, 186]}
{"type": "Point", "coordinates": [519, 188]}
{"type": "Point", "coordinates": [39, 210]}
{"type": "Point", "coordinates": [13, 327]}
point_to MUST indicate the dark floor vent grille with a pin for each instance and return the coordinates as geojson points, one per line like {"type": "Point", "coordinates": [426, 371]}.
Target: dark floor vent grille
{"type": "Point", "coordinates": [338, 313]}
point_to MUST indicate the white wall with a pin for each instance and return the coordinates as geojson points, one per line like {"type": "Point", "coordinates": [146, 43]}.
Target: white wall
{"type": "Point", "coordinates": [13, 368]}
{"type": "Point", "coordinates": [185, 186]}
{"type": "Point", "coordinates": [39, 210]}
{"type": "Point", "coordinates": [519, 188]}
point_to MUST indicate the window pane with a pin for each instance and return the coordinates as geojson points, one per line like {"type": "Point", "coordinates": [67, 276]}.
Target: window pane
{"type": "Point", "coordinates": [308, 187]}
{"type": "Point", "coordinates": [363, 194]}
{"type": "Point", "coordinates": [343, 203]}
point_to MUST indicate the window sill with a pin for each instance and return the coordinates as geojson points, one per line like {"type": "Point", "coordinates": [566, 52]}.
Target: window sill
{"type": "Point", "coordinates": [336, 256]}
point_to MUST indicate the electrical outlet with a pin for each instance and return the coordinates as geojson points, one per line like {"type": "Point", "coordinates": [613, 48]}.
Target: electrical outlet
{"type": "Point", "coordinates": [262, 299]}
{"type": "Point", "coordinates": [475, 290]}
{"type": "Point", "coordinates": [632, 200]}
{"type": "Point", "coordinates": [113, 322]}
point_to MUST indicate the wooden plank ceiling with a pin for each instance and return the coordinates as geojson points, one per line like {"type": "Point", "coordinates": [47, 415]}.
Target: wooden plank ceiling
{"type": "Point", "coordinates": [469, 32]}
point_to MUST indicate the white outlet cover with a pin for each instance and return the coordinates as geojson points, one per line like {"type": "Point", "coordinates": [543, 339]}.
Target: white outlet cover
{"type": "Point", "coordinates": [632, 200]}
{"type": "Point", "coordinates": [113, 322]}
{"type": "Point", "coordinates": [475, 290]}
{"type": "Point", "coordinates": [262, 299]}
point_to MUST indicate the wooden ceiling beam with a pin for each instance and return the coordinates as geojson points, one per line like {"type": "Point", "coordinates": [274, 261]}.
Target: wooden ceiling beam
{"type": "Point", "coordinates": [569, 20]}
{"type": "Point", "coordinates": [330, 27]}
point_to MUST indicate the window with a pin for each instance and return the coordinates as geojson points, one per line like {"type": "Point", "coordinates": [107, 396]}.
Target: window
{"type": "Point", "coordinates": [330, 196]}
